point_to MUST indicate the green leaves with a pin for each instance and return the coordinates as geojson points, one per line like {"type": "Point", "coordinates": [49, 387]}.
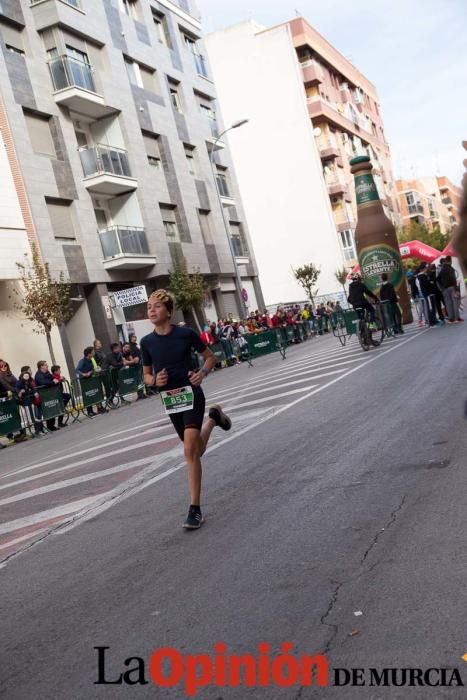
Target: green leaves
{"type": "Point", "coordinates": [45, 301]}
{"type": "Point", "coordinates": [307, 276]}
{"type": "Point", "coordinates": [188, 289]}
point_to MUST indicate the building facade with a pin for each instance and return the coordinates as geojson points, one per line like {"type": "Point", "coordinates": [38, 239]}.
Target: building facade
{"type": "Point", "coordinates": [430, 201]}
{"type": "Point", "coordinates": [114, 125]}
{"type": "Point", "coordinates": [313, 111]}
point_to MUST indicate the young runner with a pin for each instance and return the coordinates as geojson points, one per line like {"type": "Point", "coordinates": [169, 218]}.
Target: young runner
{"type": "Point", "coordinates": [167, 365]}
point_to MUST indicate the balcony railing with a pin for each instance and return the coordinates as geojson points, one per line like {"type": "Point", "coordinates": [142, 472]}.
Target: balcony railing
{"type": "Point", "coordinates": [416, 208]}
{"type": "Point", "coordinates": [123, 240]}
{"type": "Point", "coordinates": [73, 3]}
{"type": "Point", "coordinates": [69, 72]}
{"type": "Point", "coordinates": [105, 159]}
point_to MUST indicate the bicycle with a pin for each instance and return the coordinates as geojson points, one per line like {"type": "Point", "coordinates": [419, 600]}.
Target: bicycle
{"type": "Point", "coordinates": [368, 336]}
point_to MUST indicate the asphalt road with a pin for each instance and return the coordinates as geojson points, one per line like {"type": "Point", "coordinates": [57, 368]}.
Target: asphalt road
{"type": "Point", "coordinates": [348, 495]}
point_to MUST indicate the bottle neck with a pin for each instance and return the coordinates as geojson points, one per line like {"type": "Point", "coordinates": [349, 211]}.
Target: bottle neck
{"type": "Point", "coordinates": [365, 189]}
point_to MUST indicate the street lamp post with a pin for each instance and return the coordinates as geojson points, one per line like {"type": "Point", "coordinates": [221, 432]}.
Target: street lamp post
{"type": "Point", "coordinates": [243, 306]}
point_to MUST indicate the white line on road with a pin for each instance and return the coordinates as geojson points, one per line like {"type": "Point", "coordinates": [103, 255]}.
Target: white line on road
{"type": "Point", "coordinates": [92, 512]}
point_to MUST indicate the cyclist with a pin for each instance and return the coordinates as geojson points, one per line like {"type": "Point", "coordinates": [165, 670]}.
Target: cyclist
{"type": "Point", "coordinates": [358, 292]}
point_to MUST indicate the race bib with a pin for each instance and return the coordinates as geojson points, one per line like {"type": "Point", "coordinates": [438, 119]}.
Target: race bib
{"type": "Point", "coordinates": [178, 400]}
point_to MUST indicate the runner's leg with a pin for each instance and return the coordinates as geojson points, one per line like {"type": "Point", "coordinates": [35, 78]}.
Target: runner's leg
{"type": "Point", "coordinates": [193, 448]}
{"type": "Point", "coordinates": [208, 426]}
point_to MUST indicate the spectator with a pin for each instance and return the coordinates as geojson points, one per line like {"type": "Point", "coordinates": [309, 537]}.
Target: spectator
{"type": "Point", "coordinates": [428, 290]}
{"type": "Point", "coordinates": [29, 398]}
{"type": "Point", "coordinates": [448, 282]}
{"type": "Point", "coordinates": [99, 354]}
{"type": "Point", "coordinates": [44, 378]}
{"type": "Point", "coordinates": [85, 368]}
{"type": "Point", "coordinates": [132, 360]}
{"type": "Point", "coordinates": [57, 374]}
{"type": "Point", "coordinates": [115, 357]}
{"type": "Point", "coordinates": [135, 351]}
{"type": "Point", "coordinates": [432, 274]}
{"type": "Point", "coordinates": [214, 334]}
{"type": "Point", "coordinates": [388, 294]}
{"type": "Point", "coordinates": [7, 379]}
{"type": "Point", "coordinates": [206, 335]}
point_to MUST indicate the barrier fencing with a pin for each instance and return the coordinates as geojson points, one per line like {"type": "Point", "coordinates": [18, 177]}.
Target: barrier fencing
{"type": "Point", "coordinates": [108, 389]}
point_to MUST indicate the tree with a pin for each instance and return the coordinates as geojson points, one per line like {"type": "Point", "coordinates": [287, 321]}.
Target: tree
{"type": "Point", "coordinates": [188, 289]}
{"type": "Point", "coordinates": [420, 232]}
{"type": "Point", "coordinates": [341, 276]}
{"type": "Point", "coordinates": [307, 277]}
{"type": "Point", "coordinates": [43, 300]}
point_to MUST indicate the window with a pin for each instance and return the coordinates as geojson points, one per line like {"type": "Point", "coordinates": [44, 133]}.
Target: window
{"type": "Point", "coordinates": [347, 244]}
{"type": "Point", "coordinates": [141, 76]}
{"type": "Point", "coordinates": [191, 43]}
{"type": "Point", "coordinates": [221, 177]}
{"type": "Point", "coordinates": [236, 239]}
{"type": "Point", "coordinates": [206, 105]}
{"type": "Point", "coordinates": [175, 96]}
{"type": "Point", "coordinates": [162, 29]}
{"type": "Point", "coordinates": [205, 226]}
{"type": "Point", "coordinates": [190, 159]}
{"type": "Point", "coordinates": [38, 127]}
{"type": "Point", "coordinates": [170, 222]}
{"type": "Point", "coordinates": [12, 39]}
{"type": "Point", "coordinates": [151, 142]}
{"type": "Point", "coordinates": [129, 7]}
{"type": "Point", "coordinates": [60, 218]}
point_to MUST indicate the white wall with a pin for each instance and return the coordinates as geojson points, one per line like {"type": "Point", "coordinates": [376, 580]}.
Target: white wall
{"type": "Point", "coordinates": [80, 332]}
{"type": "Point", "coordinates": [19, 345]}
{"type": "Point", "coordinates": [275, 157]}
{"type": "Point", "coordinates": [13, 239]}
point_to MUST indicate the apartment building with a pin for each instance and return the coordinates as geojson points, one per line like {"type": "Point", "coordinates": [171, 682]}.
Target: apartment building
{"type": "Point", "coordinates": [115, 129]}
{"type": "Point", "coordinates": [431, 201]}
{"type": "Point", "coordinates": [314, 111]}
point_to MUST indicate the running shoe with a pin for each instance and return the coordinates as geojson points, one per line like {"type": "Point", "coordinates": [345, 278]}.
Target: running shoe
{"type": "Point", "coordinates": [219, 417]}
{"type": "Point", "coordinates": [194, 519]}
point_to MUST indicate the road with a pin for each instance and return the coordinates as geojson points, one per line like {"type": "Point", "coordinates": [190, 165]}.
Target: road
{"type": "Point", "coordinates": [341, 490]}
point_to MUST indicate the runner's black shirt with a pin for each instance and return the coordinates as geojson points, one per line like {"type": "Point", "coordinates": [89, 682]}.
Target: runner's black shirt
{"type": "Point", "coordinates": [172, 352]}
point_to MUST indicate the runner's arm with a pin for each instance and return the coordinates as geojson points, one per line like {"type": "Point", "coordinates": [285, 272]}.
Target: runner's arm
{"type": "Point", "coordinates": [209, 363]}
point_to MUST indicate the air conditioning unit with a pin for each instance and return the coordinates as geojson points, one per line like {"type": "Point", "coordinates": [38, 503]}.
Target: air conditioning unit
{"type": "Point", "coordinates": [344, 86]}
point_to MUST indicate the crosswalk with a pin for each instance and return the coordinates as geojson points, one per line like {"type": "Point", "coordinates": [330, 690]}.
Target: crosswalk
{"type": "Point", "coordinates": [57, 491]}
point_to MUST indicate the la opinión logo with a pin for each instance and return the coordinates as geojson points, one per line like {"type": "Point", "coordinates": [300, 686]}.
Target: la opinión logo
{"type": "Point", "coordinates": [169, 668]}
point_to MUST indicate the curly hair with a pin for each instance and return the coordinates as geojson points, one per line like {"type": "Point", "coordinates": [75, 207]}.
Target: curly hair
{"type": "Point", "coordinates": [163, 296]}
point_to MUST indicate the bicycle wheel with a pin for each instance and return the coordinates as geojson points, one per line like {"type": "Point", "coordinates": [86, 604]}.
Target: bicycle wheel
{"type": "Point", "coordinates": [363, 336]}
{"type": "Point", "coordinates": [376, 333]}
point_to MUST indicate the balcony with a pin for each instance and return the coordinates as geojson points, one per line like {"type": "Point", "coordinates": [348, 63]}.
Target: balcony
{"type": "Point", "coordinates": [336, 187]}
{"type": "Point", "coordinates": [106, 171]}
{"type": "Point", "coordinates": [415, 209]}
{"type": "Point", "coordinates": [213, 143]}
{"type": "Point", "coordinates": [312, 73]}
{"type": "Point", "coordinates": [318, 107]}
{"type": "Point", "coordinates": [74, 87]}
{"type": "Point", "coordinates": [125, 248]}
{"type": "Point", "coordinates": [327, 151]}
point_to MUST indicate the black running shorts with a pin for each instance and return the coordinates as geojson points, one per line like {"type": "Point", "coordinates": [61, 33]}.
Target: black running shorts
{"type": "Point", "coordinates": [190, 419]}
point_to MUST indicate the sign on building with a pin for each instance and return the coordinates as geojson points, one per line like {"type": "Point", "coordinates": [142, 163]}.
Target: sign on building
{"type": "Point", "coordinates": [130, 297]}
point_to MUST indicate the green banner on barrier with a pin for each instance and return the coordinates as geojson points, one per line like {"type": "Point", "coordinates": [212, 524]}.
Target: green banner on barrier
{"type": "Point", "coordinates": [91, 390]}
{"type": "Point", "coordinates": [51, 401]}
{"type": "Point", "coordinates": [129, 379]}
{"type": "Point", "coordinates": [262, 343]}
{"type": "Point", "coordinates": [10, 419]}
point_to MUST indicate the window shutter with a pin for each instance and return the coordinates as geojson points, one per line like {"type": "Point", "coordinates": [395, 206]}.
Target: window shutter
{"type": "Point", "coordinates": [60, 218]}
{"type": "Point", "coordinates": [40, 135]}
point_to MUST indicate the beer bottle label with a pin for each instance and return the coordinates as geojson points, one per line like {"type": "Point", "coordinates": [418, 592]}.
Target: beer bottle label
{"type": "Point", "coordinates": [376, 259]}
{"type": "Point", "coordinates": [365, 189]}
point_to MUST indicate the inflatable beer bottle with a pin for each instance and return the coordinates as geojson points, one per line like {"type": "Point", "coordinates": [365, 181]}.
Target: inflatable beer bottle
{"type": "Point", "coordinates": [375, 237]}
